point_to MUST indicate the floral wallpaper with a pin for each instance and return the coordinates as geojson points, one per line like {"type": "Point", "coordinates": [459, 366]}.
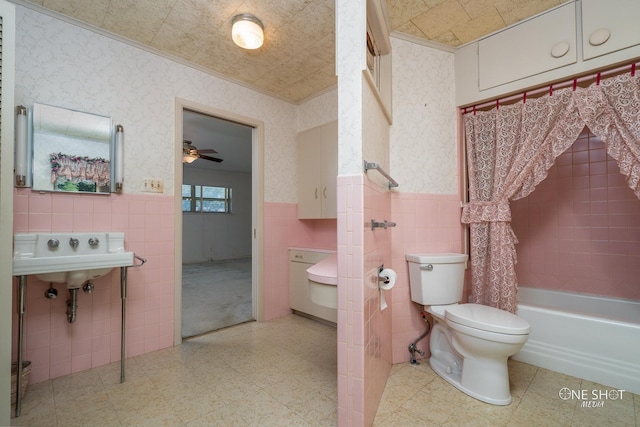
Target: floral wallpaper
{"type": "Point", "coordinates": [68, 66]}
{"type": "Point", "coordinates": [318, 111]}
{"type": "Point", "coordinates": [423, 145]}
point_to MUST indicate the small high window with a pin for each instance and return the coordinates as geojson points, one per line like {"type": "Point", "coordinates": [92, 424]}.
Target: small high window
{"type": "Point", "coordinates": [206, 199]}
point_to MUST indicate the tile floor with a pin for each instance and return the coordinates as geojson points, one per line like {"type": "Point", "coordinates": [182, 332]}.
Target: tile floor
{"type": "Point", "coordinates": [415, 395]}
{"type": "Point", "coordinates": [283, 373]}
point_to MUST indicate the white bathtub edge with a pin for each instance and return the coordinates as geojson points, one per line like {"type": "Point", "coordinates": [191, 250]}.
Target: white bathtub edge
{"type": "Point", "coordinates": [610, 373]}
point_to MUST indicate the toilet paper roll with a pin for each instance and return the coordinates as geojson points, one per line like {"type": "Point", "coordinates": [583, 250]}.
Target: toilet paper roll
{"type": "Point", "coordinates": [387, 281]}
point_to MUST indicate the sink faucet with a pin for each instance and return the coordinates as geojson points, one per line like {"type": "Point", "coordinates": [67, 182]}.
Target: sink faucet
{"type": "Point", "coordinates": [74, 242]}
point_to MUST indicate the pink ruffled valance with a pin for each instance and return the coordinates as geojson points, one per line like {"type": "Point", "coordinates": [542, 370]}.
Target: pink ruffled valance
{"type": "Point", "coordinates": [510, 150]}
{"type": "Point", "coordinates": [611, 110]}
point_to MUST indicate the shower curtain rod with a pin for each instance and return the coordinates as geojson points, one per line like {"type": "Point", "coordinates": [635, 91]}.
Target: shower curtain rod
{"type": "Point", "coordinates": [549, 88]}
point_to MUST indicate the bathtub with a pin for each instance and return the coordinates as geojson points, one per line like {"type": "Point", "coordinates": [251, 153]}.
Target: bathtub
{"type": "Point", "coordinates": [586, 336]}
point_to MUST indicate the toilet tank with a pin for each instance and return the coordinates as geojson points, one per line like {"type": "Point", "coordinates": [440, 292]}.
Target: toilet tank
{"type": "Point", "coordinates": [436, 278]}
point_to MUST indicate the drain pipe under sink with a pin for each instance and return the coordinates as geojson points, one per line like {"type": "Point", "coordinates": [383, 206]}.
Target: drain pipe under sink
{"type": "Point", "coordinates": [72, 302]}
{"type": "Point", "coordinates": [72, 305]}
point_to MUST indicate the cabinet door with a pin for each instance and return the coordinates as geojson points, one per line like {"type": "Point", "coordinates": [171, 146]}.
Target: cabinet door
{"type": "Point", "coordinates": [329, 170]}
{"type": "Point", "coordinates": [543, 43]}
{"type": "Point", "coordinates": [309, 173]}
{"type": "Point", "coordinates": [608, 26]}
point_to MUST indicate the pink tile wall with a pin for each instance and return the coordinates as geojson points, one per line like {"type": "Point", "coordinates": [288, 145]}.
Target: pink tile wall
{"type": "Point", "coordinates": [56, 347]}
{"type": "Point", "coordinates": [377, 323]}
{"type": "Point", "coordinates": [369, 339]}
{"type": "Point", "coordinates": [580, 229]}
{"type": "Point", "coordinates": [283, 229]}
{"type": "Point", "coordinates": [351, 335]}
{"type": "Point", "coordinates": [364, 329]}
{"type": "Point", "coordinates": [426, 223]}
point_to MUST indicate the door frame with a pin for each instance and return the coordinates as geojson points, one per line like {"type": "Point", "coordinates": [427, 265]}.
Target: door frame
{"type": "Point", "coordinates": [7, 131]}
{"type": "Point", "coordinates": [257, 207]}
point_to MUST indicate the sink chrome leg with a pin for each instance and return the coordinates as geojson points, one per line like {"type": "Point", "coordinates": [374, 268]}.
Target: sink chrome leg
{"type": "Point", "coordinates": [22, 296]}
{"type": "Point", "coordinates": [123, 296]}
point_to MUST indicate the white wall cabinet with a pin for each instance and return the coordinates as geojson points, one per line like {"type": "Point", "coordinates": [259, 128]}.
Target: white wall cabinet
{"type": "Point", "coordinates": [318, 171]}
{"type": "Point", "coordinates": [299, 261]}
{"type": "Point", "coordinates": [533, 47]}
{"type": "Point", "coordinates": [573, 39]}
{"type": "Point", "coordinates": [609, 26]}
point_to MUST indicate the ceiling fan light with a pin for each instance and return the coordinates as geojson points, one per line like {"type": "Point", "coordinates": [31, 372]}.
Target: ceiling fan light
{"type": "Point", "coordinates": [188, 158]}
{"type": "Point", "coordinates": [247, 31]}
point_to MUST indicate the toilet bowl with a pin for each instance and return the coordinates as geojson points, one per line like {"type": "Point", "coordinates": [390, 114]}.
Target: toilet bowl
{"type": "Point", "coordinates": [480, 339]}
{"type": "Point", "coordinates": [469, 343]}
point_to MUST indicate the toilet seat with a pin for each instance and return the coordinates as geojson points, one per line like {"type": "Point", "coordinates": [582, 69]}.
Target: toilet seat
{"type": "Point", "coordinates": [438, 311]}
{"type": "Point", "coordinates": [485, 318]}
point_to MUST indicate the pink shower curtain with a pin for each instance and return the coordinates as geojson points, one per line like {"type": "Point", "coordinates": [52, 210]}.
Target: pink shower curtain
{"type": "Point", "coordinates": [611, 110]}
{"type": "Point", "coordinates": [510, 150]}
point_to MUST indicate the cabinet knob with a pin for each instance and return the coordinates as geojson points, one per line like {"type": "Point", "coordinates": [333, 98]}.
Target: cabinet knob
{"type": "Point", "coordinates": [599, 37]}
{"type": "Point", "coordinates": [316, 193]}
{"type": "Point", "coordinates": [560, 49]}
{"type": "Point", "coordinates": [324, 192]}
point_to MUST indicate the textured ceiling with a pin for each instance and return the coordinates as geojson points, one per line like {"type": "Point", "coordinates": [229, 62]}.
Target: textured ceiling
{"type": "Point", "coordinates": [456, 22]}
{"type": "Point", "coordinates": [297, 59]}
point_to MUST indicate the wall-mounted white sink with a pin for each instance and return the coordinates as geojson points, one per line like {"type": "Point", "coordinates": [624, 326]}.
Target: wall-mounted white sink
{"type": "Point", "coordinates": [73, 279]}
{"type": "Point", "coordinates": [71, 258]}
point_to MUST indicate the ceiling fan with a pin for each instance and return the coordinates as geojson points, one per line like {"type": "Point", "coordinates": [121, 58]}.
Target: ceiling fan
{"type": "Point", "coordinates": [191, 153]}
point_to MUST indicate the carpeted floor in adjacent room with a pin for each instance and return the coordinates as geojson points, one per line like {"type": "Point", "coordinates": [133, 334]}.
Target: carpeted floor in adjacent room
{"type": "Point", "coordinates": [215, 295]}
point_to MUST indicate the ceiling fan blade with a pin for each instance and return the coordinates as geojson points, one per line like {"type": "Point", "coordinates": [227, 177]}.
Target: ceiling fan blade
{"type": "Point", "coordinates": [213, 159]}
{"type": "Point", "coordinates": [207, 150]}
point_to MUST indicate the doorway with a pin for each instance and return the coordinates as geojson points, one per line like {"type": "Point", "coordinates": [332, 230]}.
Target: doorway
{"type": "Point", "coordinates": [219, 211]}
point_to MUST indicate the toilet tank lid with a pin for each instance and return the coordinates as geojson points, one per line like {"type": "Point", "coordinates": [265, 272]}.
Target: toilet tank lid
{"type": "Point", "coordinates": [487, 318]}
{"type": "Point", "coordinates": [436, 258]}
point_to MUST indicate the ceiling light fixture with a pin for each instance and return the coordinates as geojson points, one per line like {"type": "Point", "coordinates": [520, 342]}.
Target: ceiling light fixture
{"type": "Point", "coordinates": [247, 31]}
{"type": "Point", "coordinates": [189, 158]}
{"type": "Point", "coordinates": [189, 153]}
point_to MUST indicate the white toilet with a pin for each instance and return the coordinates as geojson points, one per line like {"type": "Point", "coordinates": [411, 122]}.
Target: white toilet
{"type": "Point", "coordinates": [470, 343]}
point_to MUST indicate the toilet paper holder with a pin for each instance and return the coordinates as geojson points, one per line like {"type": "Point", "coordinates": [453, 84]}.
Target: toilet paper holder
{"type": "Point", "coordinates": [386, 281]}
{"type": "Point", "coordinates": [382, 279]}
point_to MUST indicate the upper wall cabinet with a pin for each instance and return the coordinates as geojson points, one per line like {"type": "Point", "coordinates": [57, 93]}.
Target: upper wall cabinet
{"type": "Point", "coordinates": [608, 26]}
{"type": "Point", "coordinates": [535, 46]}
{"type": "Point", "coordinates": [575, 38]}
{"type": "Point", "coordinates": [318, 171]}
